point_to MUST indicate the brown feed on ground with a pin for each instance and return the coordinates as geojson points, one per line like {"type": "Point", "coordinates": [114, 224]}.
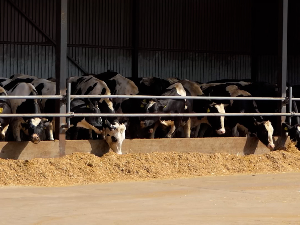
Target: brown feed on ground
{"type": "Point", "coordinates": [84, 168]}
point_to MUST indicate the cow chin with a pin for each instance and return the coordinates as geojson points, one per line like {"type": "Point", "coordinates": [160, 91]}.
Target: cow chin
{"type": "Point", "coordinates": [116, 148]}
{"type": "Point", "coordinates": [35, 139]}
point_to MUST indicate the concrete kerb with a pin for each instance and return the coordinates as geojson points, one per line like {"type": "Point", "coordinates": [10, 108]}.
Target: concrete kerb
{"type": "Point", "coordinates": [49, 149]}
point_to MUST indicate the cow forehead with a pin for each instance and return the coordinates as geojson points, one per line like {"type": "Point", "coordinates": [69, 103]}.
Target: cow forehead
{"type": "Point", "coordinates": [151, 103]}
{"type": "Point", "coordinates": [36, 121]}
{"type": "Point", "coordinates": [119, 128]}
{"type": "Point", "coordinates": [298, 128]}
{"type": "Point", "coordinates": [118, 133]}
{"type": "Point", "coordinates": [220, 108]}
{"type": "Point", "coordinates": [268, 126]}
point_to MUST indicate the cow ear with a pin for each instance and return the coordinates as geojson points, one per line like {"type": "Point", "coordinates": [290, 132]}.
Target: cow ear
{"type": "Point", "coordinates": [226, 105]}
{"type": "Point", "coordinates": [286, 126]}
{"type": "Point", "coordinates": [109, 125]}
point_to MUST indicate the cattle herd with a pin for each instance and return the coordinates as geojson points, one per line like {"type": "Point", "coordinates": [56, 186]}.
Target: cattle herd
{"type": "Point", "coordinates": [115, 129]}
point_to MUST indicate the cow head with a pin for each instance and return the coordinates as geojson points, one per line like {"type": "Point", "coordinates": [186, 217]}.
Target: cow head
{"type": "Point", "coordinates": [95, 121]}
{"type": "Point", "coordinates": [115, 135]}
{"type": "Point", "coordinates": [293, 132]}
{"type": "Point", "coordinates": [149, 107]}
{"type": "Point", "coordinates": [34, 127]}
{"type": "Point", "coordinates": [265, 133]}
{"type": "Point", "coordinates": [217, 122]}
{"type": "Point", "coordinates": [4, 121]}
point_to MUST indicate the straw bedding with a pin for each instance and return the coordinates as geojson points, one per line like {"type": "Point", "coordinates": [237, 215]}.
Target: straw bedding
{"type": "Point", "coordinates": [83, 168]}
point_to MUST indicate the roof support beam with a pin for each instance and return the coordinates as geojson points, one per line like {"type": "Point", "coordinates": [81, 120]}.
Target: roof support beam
{"type": "Point", "coordinates": [282, 55]}
{"type": "Point", "coordinates": [135, 38]}
{"type": "Point", "coordinates": [254, 56]}
{"type": "Point", "coordinates": [61, 69]}
{"type": "Point", "coordinates": [41, 31]}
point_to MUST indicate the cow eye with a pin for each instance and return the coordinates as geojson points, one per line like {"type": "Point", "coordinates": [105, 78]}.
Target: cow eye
{"type": "Point", "coordinates": [108, 135]}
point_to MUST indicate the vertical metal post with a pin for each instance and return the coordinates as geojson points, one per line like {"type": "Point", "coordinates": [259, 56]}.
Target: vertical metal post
{"type": "Point", "coordinates": [68, 102]}
{"type": "Point", "coordinates": [135, 38]}
{"type": "Point", "coordinates": [282, 55]}
{"type": "Point", "coordinates": [61, 69]}
{"type": "Point", "coordinates": [290, 104]}
{"type": "Point", "coordinates": [254, 56]}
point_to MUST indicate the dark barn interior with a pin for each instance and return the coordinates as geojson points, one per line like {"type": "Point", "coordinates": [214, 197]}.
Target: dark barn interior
{"type": "Point", "coordinates": [200, 40]}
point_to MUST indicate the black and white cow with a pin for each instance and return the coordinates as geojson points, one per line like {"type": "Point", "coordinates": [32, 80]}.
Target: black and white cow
{"type": "Point", "coordinates": [43, 87]}
{"type": "Point", "coordinates": [114, 135]}
{"type": "Point", "coordinates": [205, 106]}
{"type": "Point", "coordinates": [118, 85]}
{"type": "Point", "coordinates": [33, 127]}
{"type": "Point", "coordinates": [293, 131]}
{"type": "Point", "coordinates": [4, 81]}
{"type": "Point", "coordinates": [145, 86]}
{"type": "Point", "coordinates": [114, 132]}
{"type": "Point", "coordinates": [89, 85]}
{"type": "Point", "coordinates": [5, 108]}
{"type": "Point", "coordinates": [151, 85]}
{"type": "Point", "coordinates": [255, 125]}
{"type": "Point", "coordinates": [17, 78]}
{"type": "Point", "coordinates": [90, 123]}
{"type": "Point", "coordinates": [46, 87]}
{"type": "Point", "coordinates": [168, 106]}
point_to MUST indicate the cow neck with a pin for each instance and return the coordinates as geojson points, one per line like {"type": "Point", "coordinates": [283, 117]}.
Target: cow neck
{"type": "Point", "coordinates": [36, 106]}
{"type": "Point", "coordinates": [258, 118]}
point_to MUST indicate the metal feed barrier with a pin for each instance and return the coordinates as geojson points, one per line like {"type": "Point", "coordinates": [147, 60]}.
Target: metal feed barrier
{"type": "Point", "coordinates": [69, 114]}
{"type": "Point", "coordinates": [68, 97]}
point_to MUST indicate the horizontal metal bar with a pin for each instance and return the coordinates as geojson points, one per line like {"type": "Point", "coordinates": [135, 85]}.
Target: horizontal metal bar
{"type": "Point", "coordinates": [177, 97]}
{"type": "Point", "coordinates": [33, 97]}
{"type": "Point", "coordinates": [145, 114]}
{"type": "Point", "coordinates": [295, 99]}
{"type": "Point", "coordinates": [142, 97]}
{"type": "Point", "coordinates": [179, 114]}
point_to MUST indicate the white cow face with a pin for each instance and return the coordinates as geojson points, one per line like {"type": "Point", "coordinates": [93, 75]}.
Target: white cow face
{"type": "Point", "coordinates": [217, 122]}
{"type": "Point", "coordinates": [265, 133]}
{"type": "Point", "coordinates": [34, 128]}
{"type": "Point", "coordinates": [114, 136]}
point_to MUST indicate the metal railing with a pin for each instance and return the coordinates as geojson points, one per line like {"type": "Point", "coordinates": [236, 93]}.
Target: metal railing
{"type": "Point", "coordinates": [68, 97]}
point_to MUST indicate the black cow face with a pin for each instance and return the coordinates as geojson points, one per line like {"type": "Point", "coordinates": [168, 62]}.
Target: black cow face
{"type": "Point", "coordinates": [148, 122]}
{"type": "Point", "coordinates": [216, 122]}
{"type": "Point", "coordinates": [97, 120]}
{"type": "Point", "coordinates": [106, 106]}
{"type": "Point", "coordinates": [265, 133]}
{"type": "Point", "coordinates": [293, 132]}
{"type": "Point", "coordinates": [34, 128]}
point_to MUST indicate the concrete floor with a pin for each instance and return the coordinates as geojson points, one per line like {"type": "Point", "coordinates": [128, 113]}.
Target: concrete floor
{"type": "Point", "coordinates": [243, 199]}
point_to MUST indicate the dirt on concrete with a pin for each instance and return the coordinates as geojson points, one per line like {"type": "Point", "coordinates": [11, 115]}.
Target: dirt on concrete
{"type": "Point", "coordinates": [84, 168]}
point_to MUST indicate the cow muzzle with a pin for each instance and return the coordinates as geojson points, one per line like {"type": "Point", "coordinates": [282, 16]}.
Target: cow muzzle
{"type": "Point", "coordinates": [221, 131]}
{"type": "Point", "coordinates": [35, 139]}
{"type": "Point", "coordinates": [271, 146]}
